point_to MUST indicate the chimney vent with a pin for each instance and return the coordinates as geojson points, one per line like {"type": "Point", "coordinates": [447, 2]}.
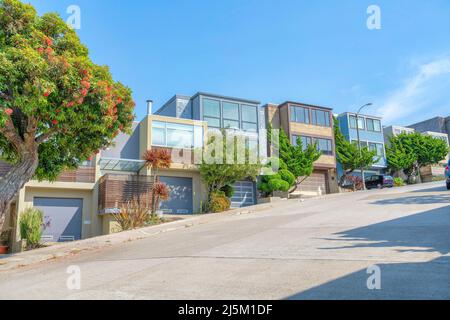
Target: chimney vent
{"type": "Point", "coordinates": [149, 107]}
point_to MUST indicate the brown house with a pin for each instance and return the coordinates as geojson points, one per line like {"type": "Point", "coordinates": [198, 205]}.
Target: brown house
{"type": "Point", "coordinates": [312, 124]}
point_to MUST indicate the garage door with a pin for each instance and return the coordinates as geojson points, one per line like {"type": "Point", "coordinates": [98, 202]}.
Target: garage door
{"type": "Point", "coordinates": [63, 218]}
{"type": "Point", "coordinates": [181, 196]}
{"type": "Point", "coordinates": [244, 194]}
{"type": "Point", "coordinates": [317, 180]}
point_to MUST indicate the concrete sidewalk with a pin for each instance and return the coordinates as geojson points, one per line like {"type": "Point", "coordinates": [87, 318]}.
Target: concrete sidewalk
{"type": "Point", "coordinates": [62, 250]}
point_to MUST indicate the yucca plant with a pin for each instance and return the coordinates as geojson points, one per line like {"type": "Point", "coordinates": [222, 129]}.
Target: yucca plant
{"type": "Point", "coordinates": [131, 215]}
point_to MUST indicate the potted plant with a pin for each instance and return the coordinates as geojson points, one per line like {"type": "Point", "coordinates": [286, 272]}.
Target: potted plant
{"type": "Point", "coordinates": [4, 239]}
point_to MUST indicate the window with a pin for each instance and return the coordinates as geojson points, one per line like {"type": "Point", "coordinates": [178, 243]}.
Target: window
{"type": "Point", "coordinates": [158, 133]}
{"type": "Point", "coordinates": [211, 112]}
{"type": "Point", "coordinates": [325, 146]}
{"type": "Point", "coordinates": [306, 141]}
{"type": "Point", "coordinates": [299, 114]}
{"type": "Point", "coordinates": [175, 135]}
{"type": "Point", "coordinates": [231, 111]}
{"type": "Point", "coordinates": [378, 147]}
{"type": "Point", "coordinates": [320, 118]}
{"type": "Point", "coordinates": [363, 144]}
{"type": "Point", "coordinates": [249, 118]}
{"type": "Point", "coordinates": [360, 123]}
{"type": "Point", "coordinates": [373, 125]}
{"type": "Point", "coordinates": [230, 124]}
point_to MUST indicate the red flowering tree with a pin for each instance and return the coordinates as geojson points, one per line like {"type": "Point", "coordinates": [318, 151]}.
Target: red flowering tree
{"type": "Point", "coordinates": [57, 107]}
{"type": "Point", "coordinates": [156, 159]}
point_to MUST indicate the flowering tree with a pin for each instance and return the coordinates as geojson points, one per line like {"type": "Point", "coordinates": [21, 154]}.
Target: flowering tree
{"type": "Point", "coordinates": [156, 159]}
{"type": "Point", "coordinates": [57, 108]}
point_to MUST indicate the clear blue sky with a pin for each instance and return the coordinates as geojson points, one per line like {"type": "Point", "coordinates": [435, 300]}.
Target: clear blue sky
{"type": "Point", "coordinates": [317, 52]}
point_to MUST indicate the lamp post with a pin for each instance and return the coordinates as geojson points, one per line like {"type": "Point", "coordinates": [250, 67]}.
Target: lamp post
{"type": "Point", "coordinates": [359, 141]}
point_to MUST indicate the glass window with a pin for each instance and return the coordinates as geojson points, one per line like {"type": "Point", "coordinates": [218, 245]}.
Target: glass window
{"type": "Point", "coordinates": [230, 124]}
{"type": "Point", "coordinates": [248, 126]}
{"type": "Point", "coordinates": [180, 136]}
{"type": "Point", "coordinates": [212, 122]}
{"type": "Point", "coordinates": [211, 108]}
{"type": "Point", "coordinates": [360, 121]}
{"type": "Point", "coordinates": [374, 125]}
{"type": "Point", "coordinates": [378, 148]}
{"type": "Point", "coordinates": [320, 118]}
{"type": "Point", "coordinates": [300, 114]}
{"type": "Point", "coordinates": [306, 141]}
{"type": "Point", "coordinates": [325, 146]}
{"type": "Point", "coordinates": [158, 133]}
{"type": "Point", "coordinates": [249, 113]}
{"type": "Point", "coordinates": [230, 111]}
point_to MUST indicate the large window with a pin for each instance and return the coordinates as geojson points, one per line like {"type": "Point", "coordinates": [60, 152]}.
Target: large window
{"type": "Point", "coordinates": [373, 125]}
{"type": "Point", "coordinates": [173, 135]}
{"type": "Point", "coordinates": [211, 112]}
{"type": "Point", "coordinates": [300, 114]}
{"type": "Point", "coordinates": [378, 147]}
{"type": "Point", "coordinates": [360, 123]}
{"type": "Point", "coordinates": [249, 117]}
{"type": "Point", "coordinates": [230, 115]}
{"type": "Point", "coordinates": [320, 118]}
{"type": "Point", "coordinates": [323, 145]}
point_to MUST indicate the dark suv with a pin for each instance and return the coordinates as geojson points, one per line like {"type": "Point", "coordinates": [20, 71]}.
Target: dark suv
{"type": "Point", "coordinates": [379, 181]}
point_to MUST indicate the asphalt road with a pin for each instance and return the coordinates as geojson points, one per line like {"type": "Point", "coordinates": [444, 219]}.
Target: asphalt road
{"type": "Point", "coordinates": [317, 249]}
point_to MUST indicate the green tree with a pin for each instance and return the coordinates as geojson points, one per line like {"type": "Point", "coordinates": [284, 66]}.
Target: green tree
{"type": "Point", "coordinates": [299, 161]}
{"type": "Point", "coordinates": [350, 156]}
{"type": "Point", "coordinates": [57, 108]}
{"type": "Point", "coordinates": [219, 175]}
{"type": "Point", "coordinates": [283, 180]}
{"type": "Point", "coordinates": [412, 151]}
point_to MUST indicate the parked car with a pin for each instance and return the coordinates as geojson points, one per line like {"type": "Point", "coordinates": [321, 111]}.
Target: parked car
{"type": "Point", "coordinates": [447, 175]}
{"type": "Point", "coordinates": [379, 181]}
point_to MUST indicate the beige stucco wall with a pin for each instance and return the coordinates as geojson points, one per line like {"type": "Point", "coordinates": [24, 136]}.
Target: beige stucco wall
{"type": "Point", "coordinates": [307, 129]}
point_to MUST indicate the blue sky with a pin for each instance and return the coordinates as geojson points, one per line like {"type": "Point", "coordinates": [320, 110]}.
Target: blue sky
{"type": "Point", "coordinates": [317, 52]}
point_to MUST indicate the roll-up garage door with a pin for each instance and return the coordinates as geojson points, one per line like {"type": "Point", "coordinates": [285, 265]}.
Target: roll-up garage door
{"type": "Point", "coordinates": [317, 180]}
{"type": "Point", "coordinates": [62, 217]}
{"type": "Point", "coordinates": [181, 195]}
{"type": "Point", "coordinates": [244, 194]}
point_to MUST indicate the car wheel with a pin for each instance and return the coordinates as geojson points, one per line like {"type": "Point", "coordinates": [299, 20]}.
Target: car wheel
{"type": "Point", "coordinates": [379, 186]}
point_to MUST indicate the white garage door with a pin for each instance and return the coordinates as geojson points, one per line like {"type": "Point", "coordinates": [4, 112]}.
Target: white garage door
{"type": "Point", "coordinates": [317, 180]}
{"type": "Point", "coordinates": [244, 194]}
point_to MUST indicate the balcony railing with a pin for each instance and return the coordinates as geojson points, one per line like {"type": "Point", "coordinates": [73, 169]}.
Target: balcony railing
{"type": "Point", "coordinates": [85, 174]}
{"type": "Point", "coordinates": [116, 190]}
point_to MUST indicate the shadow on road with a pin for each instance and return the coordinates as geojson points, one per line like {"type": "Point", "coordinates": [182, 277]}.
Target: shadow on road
{"type": "Point", "coordinates": [427, 231]}
{"type": "Point", "coordinates": [432, 199]}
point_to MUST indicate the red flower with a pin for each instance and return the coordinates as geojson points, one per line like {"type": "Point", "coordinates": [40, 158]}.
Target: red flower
{"type": "Point", "coordinates": [9, 111]}
{"type": "Point", "coordinates": [49, 50]}
{"type": "Point", "coordinates": [46, 93]}
{"type": "Point", "coordinates": [80, 101]}
{"type": "Point", "coordinates": [55, 122]}
{"type": "Point", "coordinates": [119, 100]}
{"type": "Point", "coordinates": [84, 92]}
{"type": "Point", "coordinates": [48, 41]}
{"type": "Point", "coordinates": [41, 50]}
{"type": "Point", "coordinates": [70, 104]}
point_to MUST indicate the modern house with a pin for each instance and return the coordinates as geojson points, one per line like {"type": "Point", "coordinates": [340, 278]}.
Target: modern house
{"type": "Point", "coordinates": [244, 116]}
{"type": "Point", "coordinates": [427, 173]}
{"type": "Point", "coordinates": [371, 136]}
{"type": "Point", "coordinates": [312, 124]}
{"type": "Point", "coordinates": [79, 204]}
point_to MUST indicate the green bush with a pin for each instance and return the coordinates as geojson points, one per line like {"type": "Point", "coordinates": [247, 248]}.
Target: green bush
{"type": "Point", "coordinates": [278, 185]}
{"type": "Point", "coordinates": [399, 182]}
{"type": "Point", "coordinates": [288, 177]}
{"type": "Point", "coordinates": [219, 202]}
{"type": "Point", "coordinates": [228, 190]}
{"type": "Point", "coordinates": [31, 227]}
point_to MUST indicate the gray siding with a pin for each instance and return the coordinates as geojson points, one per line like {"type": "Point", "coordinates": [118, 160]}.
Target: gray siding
{"type": "Point", "coordinates": [125, 146]}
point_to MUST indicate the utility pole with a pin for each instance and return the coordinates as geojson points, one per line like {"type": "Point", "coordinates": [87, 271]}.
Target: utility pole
{"type": "Point", "coordinates": [359, 142]}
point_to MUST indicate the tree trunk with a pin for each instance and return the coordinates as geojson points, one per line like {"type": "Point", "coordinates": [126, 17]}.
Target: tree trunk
{"type": "Point", "coordinates": [15, 180]}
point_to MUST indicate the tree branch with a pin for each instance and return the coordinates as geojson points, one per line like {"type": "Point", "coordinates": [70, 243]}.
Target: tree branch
{"type": "Point", "coordinates": [45, 136]}
{"type": "Point", "coordinates": [9, 131]}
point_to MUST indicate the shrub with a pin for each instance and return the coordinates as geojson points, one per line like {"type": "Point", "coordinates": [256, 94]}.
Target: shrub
{"type": "Point", "coordinates": [228, 190]}
{"type": "Point", "coordinates": [131, 215]}
{"type": "Point", "coordinates": [219, 202]}
{"type": "Point", "coordinates": [355, 182]}
{"type": "Point", "coordinates": [281, 181]}
{"type": "Point", "coordinates": [288, 177]}
{"type": "Point", "coordinates": [399, 182]}
{"type": "Point", "coordinates": [31, 225]}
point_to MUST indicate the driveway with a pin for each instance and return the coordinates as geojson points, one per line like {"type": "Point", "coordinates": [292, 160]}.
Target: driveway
{"type": "Point", "coordinates": [316, 249]}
